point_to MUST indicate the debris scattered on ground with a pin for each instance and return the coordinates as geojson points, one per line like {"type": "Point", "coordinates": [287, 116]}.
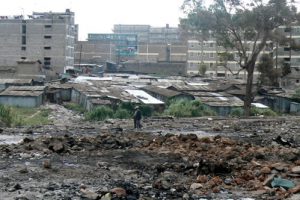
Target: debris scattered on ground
{"type": "Point", "coordinates": [167, 159]}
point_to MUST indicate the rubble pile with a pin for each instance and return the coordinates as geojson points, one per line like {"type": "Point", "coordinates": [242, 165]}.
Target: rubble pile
{"type": "Point", "coordinates": [126, 164]}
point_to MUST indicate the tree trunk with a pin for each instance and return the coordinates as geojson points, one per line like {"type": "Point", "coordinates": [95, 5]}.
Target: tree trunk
{"type": "Point", "coordinates": [248, 96]}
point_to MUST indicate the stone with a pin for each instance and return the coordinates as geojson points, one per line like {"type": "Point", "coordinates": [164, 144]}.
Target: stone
{"type": "Point", "coordinates": [202, 179]}
{"type": "Point", "coordinates": [296, 170]}
{"type": "Point", "coordinates": [265, 170]}
{"type": "Point", "coordinates": [278, 166]}
{"type": "Point", "coordinates": [268, 180]}
{"type": "Point", "coordinates": [228, 181]}
{"type": "Point", "coordinates": [120, 192]}
{"type": "Point", "coordinates": [89, 194]}
{"type": "Point", "coordinates": [161, 184]}
{"type": "Point", "coordinates": [107, 196]}
{"type": "Point", "coordinates": [23, 170]}
{"type": "Point", "coordinates": [186, 196]}
{"type": "Point", "coordinates": [47, 164]}
{"type": "Point", "coordinates": [16, 187]}
{"type": "Point", "coordinates": [58, 147]}
{"type": "Point", "coordinates": [28, 140]}
{"type": "Point", "coordinates": [196, 186]}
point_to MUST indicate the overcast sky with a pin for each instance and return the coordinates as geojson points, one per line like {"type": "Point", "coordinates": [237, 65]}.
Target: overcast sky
{"type": "Point", "coordinates": [99, 16]}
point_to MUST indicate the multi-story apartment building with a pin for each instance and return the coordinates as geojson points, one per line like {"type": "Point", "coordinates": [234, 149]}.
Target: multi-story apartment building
{"type": "Point", "coordinates": [286, 52]}
{"type": "Point", "coordinates": [106, 47]}
{"type": "Point", "coordinates": [209, 54]}
{"type": "Point", "coordinates": [48, 37]}
{"type": "Point", "coordinates": [137, 43]}
{"type": "Point", "coordinates": [151, 35]}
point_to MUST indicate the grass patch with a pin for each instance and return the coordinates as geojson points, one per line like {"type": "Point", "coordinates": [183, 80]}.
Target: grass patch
{"type": "Point", "coordinates": [29, 116]}
{"type": "Point", "coordinates": [100, 113]}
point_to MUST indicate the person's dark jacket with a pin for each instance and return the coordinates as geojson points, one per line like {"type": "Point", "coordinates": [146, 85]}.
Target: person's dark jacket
{"type": "Point", "coordinates": [137, 115]}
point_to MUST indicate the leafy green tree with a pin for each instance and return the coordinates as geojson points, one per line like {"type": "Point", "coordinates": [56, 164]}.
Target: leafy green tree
{"type": "Point", "coordinates": [202, 69]}
{"type": "Point", "coordinates": [268, 74]}
{"type": "Point", "coordinates": [233, 22]}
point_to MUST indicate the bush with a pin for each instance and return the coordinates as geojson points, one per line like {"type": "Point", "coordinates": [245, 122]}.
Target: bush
{"type": "Point", "coordinates": [127, 106]}
{"type": "Point", "coordinates": [6, 116]}
{"type": "Point", "coordinates": [146, 110]}
{"type": "Point", "coordinates": [263, 111]}
{"type": "Point", "coordinates": [237, 112]}
{"type": "Point", "coordinates": [100, 113]}
{"type": "Point", "coordinates": [122, 114]}
{"type": "Point", "coordinates": [186, 108]}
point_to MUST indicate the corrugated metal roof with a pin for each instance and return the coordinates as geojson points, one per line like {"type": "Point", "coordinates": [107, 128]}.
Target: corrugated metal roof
{"type": "Point", "coordinates": [182, 87]}
{"type": "Point", "coordinates": [161, 91]}
{"type": "Point", "coordinates": [144, 97]}
{"type": "Point", "coordinates": [19, 81]}
{"type": "Point", "coordinates": [218, 99]}
{"type": "Point", "coordinates": [21, 93]}
{"type": "Point", "coordinates": [27, 88]}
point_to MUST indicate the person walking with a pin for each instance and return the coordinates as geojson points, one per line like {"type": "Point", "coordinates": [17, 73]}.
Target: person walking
{"type": "Point", "coordinates": [137, 117]}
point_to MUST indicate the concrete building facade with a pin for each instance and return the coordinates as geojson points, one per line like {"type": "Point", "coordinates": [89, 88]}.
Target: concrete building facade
{"type": "Point", "coordinates": [287, 53]}
{"type": "Point", "coordinates": [152, 35]}
{"type": "Point", "coordinates": [47, 37]}
{"type": "Point", "coordinates": [208, 54]}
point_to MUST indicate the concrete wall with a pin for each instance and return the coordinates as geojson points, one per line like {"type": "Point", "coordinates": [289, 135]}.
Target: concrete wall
{"type": "Point", "coordinates": [155, 68]}
{"type": "Point", "coordinates": [29, 102]}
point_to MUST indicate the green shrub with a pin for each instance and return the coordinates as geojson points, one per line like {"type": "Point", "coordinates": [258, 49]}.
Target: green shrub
{"type": "Point", "coordinates": [186, 108]}
{"type": "Point", "coordinates": [122, 114]}
{"type": "Point", "coordinates": [237, 112]}
{"type": "Point", "coordinates": [6, 116]}
{"type": "Point", "coordinates": [100, 113]}
{"type": "Point", "coordinates": [262, 111]}
{"type": "Point", "coordinates": [208, 112]}
{"type": "Point", "coordinates": [146, 110]}
{"type": "Point", "coordinates": [127, 106]}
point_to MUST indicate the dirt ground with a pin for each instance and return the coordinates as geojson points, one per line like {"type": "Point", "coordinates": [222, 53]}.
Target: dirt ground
{"type": "Point", "coordinates": [191, 158]}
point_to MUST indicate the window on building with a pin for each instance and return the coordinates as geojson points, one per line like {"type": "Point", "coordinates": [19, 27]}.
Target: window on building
{"type": "Point", "coordinates": [297, 81]}
{"type": "Point", "coordinates": [23, 58]}
{"type": "Point", "coordinates": [47, 48]}
{"type": "Point", "coordinates": [47, 36]}
{"type": "Point", "coordinates": [211, 55]}
{"type": "Point", "coordinates": [23, 39]}
{"type": "Point", "coordinates": [48, 26]}
{"type": "Point", "coordinates": [211, 44]}
{"type": "Point", "coordinates": [23, 28]}
{"type": "Point", "coordinates": [47, 61]}
{"type": "Point", "coordinates": [211, 65]}
{"type": "Point", "coordinates": [286, 48]}
{"type": "Point", "coordinates": [23, 48]}
{"type": "Point", "coordinates": [287, 30]}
